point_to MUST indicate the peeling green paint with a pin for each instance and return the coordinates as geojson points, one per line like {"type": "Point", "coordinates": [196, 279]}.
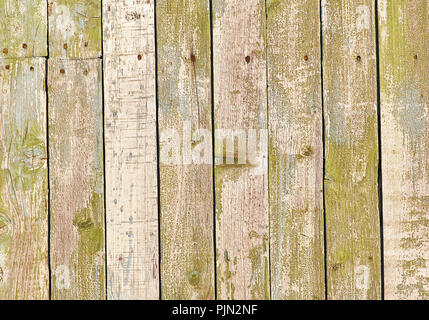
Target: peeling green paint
{"type": "Point", "coordinates": [23, 28]}
{"type": "Point", "coordinates": [75, 28]}
{"type": "Point", "coordinates": [23, 181]}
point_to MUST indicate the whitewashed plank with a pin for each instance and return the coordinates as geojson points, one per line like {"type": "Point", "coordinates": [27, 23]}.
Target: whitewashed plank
{"type": "Point", "coordinates": [131, 150]}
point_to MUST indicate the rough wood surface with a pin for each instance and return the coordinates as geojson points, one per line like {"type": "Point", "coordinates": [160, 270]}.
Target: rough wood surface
{"type": "Point", "coordinates": [404, 78]}
{"type": "Point", "coordinates": [23, 181]}
{"type": "Point", "coordinates": [74, 28]}
{"type": "Point", "coordinates": [184, 71]}
{"type": "Point", "coordinates": [23, 28]}
{"type": "Point", "coordinates": [76, 179]}
{"type": "Point", "coordinates": [296, 150]}
{"type": "Point", "coordinates": [240, 103]}
{"type": "Point", "coordinates": [351, 194]}
{"type": "Point", "coordinates": [131, 155]}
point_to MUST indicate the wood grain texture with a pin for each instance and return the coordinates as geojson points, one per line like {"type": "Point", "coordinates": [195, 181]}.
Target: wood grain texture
{"type": "Point", "coordinates": [74, 28]}
{"type": "Point", "coordinates": [404, 61]}
{"type": "Point", "coordinates": [23, 181]}
{"type": "Point", "coordinates": [76, 179]}
{"type": "Point", "coordinates": [23, 28]}
{"type": "Point", "coordinates": [131, 150]}
{"type": "Point", "coordinates": [186, 185]}
{"type": "Point", "coordinates": [296, 150]}
{"type": "Point", "coordinates": [241, 176]}
{"type": "Point", "coordinates": [351, 194]}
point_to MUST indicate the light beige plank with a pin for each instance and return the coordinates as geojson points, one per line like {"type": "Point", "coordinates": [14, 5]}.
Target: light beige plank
{"type": "Point", "coordinates": [351, 194]}
{"type": "Point", "coordinates": [131, 150]}
{"type": "Point", "coordinates": [185, 113]}
{"type": "Point", "coordinates": [296, 150]}
{"type": "Point", "coordinates": [23, 30]}
{"type": "Point", "coordinates": [24, 270]}
{"type": "Point", "coordinates": [240, 103]}
{"type": "Point", "coordinates": [76, 179]}
{"type": "Point", "coordinates": [74, 28]}
{"type": "Point", "coordinates": [404, 78]}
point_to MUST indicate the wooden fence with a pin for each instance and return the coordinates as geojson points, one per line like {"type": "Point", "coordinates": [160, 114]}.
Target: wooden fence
{"type": "Point", "coordinates": [335, 204]}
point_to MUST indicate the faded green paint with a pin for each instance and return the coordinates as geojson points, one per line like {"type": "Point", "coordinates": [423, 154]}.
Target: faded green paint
{"type": "Point", "coordinates": [90, 252]}
{"type": "Point", "coordinates": [23, 181]}
{"type": "Point", "coordinates": [76, 172]}
{"type": "Point", "coordinates": [351, 177]}
{"type": "Point", "coordinates": [23, 28]}
{"type": "Point", "coordinates": [75, 28]}
{"type": "Point", "coordinates": [404, 61]}
{"type": "Point", "coordinates": [186, 195]}
{"type": "Point", "coordinates": [295, 150]}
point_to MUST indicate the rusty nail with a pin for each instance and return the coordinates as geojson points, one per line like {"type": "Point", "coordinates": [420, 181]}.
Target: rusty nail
{"type": "Point", "coordinates": [415, 57]}
{"type": "Point", "coordinates": [24, 45]}
{"type": "Point", "coordinates": [358, 58]}
{"type": "Point", "coordinates": [193, 58]}
{"type": "Point", "coordinates": [306, 58]}
{"type": "Point", "coordinates": [62, 71]}
{"type": "Point", "coordinates": [65, 46]}
{"type": "Point", "coordinates": [248, 59]}
{"type": "Point", "coordinates": [5, 51]}
{"type": "Point", "coordinates": [139, 57]}
{"type": "Point", "coordinates": [86, 44]}
{"type": "Point", "coordinates": [7, 67]}
{"type": "Point", "coordinates": [31, 68]}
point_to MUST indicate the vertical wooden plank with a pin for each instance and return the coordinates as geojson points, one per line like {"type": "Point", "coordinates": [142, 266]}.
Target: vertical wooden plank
{"type": "Point", "coordinates": [186, 178]}
{"type": "Point", "coordinates": [351, 194]}
{"type": "Point", "coordinates": [131, 150]}
{"type": "Point", "coordinates": [241, 175]}
{"type": "Point", "coordinates": [296, 150]}
{"type": "Point", "coordinates": [76, 179]}
{"type": "Point", "coordinates": [74, 28]}
{"type": "Point", "coordinates": [23, 31]}
{"type": "Point", "coordinates": [23, 181]}
{"type": "Point", "coordinates": [404, 61]}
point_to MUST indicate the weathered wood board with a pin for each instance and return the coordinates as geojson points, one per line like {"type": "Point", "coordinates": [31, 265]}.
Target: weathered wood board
{"type": "Point", "coordinates": [240, 138]}
{"type": "Point", "coordinates": [241, 176]}
{"type": "Point", "coordinates": [131, 150]}
{"type": "Point", "coordinates": [23, 28]}
{"type": "Point", "coordinates": [74, 28]}
{"type": "Point", "coordinates": [296, 150]}
{"type": "Point", "coordinates": [76, 179]}
{"type": "Point", "coordinates": [351, 177]}
{"type": "Point", "coordinates": [24, 270]}
{"type": "Point", "coordinates": [404, 78]}
{"type": "Point", "coordinates": [186, 156]}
